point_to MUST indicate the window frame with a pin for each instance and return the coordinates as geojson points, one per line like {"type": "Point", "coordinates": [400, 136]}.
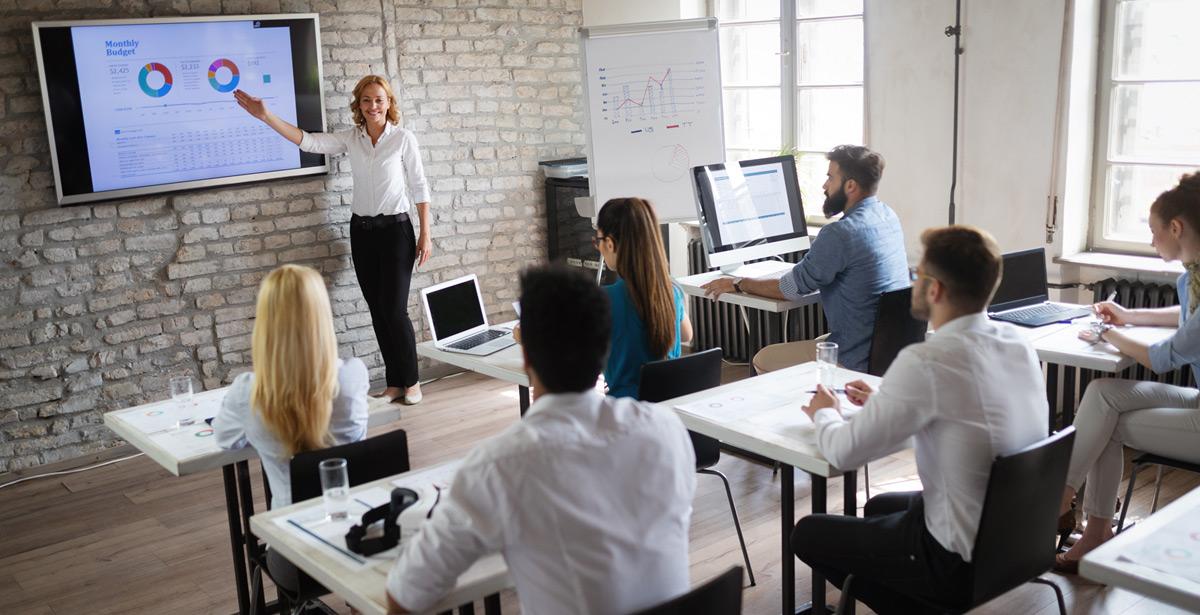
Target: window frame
{"type": "Point", "coordinates": [1101, 185]}
{"type": "Point", "coordinates": [789, 87]}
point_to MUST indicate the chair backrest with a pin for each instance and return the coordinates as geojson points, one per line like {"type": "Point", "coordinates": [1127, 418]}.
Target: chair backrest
{"type": "Point", "coordinates": [671, 378]}
{"type": "Point", "coordinates": [895, 328]}
{"type": "Point", "coordinates": [1020, 513]}
{"type": "Point", "coordinates": [366, 460]}
{"type": "Point", "coordinates": [720, 596]}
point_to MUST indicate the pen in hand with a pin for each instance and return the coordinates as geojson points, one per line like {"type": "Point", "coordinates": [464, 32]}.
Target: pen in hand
{"type": "Point", "coordinates": [834, 390]}
{"type": "Point", "coordinates": [1111, 296]}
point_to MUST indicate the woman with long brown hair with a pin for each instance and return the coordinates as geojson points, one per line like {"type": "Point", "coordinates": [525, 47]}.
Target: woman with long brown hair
{"type": "Point", "coordinates": [649, 321]}
{"type": "Point", "coordinates": [389, 182]}
{"type": "Point", "coordinates": [300, 396]}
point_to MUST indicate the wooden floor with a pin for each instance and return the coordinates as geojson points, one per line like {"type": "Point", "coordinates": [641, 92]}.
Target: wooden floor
{"type": "Point", "coordinates": [131, 538]}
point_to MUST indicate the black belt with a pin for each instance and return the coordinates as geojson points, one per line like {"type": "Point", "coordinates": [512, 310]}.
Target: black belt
{"type": "Point", "coordinates": [371, 222]}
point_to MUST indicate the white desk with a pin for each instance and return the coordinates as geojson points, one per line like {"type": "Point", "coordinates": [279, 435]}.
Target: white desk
{"type": "Point", "coordinates": [365, 587]}
{"type": "Point", "coordinates": [1061, 344]}
{"type": "Point", "coordinates": [692, 285]}
{"type": "Point", "coordinates": [507, 365]}
{"type": "Point", "coordinates": [1105, 564]}
{"type": "Point", "coordinates": [782, 433]}
{"type": "Point", "coordinates": [193, 449]}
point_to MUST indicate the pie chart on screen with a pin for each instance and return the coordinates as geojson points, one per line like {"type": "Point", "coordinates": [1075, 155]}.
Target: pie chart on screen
{"type": "Point", "coordinates": [223, 81]}
{"type": "Point", "coordinates": [149, 79]}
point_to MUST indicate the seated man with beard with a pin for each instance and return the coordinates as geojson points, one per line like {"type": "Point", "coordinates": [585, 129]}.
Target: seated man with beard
{"type": "Point", "coordinates": [853, 261]}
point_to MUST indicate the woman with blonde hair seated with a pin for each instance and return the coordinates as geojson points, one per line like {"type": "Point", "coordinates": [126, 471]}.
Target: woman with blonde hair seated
{"type": "Point", "coordinates": [300, 396]}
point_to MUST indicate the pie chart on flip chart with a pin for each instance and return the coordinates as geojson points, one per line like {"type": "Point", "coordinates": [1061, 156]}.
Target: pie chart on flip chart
{"type": "Point", "coordinates": [155, 80]}
{"type": "Point", "coordinates": [223, 75]}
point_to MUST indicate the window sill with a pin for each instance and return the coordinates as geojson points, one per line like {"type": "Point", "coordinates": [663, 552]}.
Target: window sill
{"type": "Point", "coordinates": [1122, 262]}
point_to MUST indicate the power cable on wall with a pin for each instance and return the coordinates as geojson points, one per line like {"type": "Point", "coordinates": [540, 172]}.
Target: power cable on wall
{"type": "Point", "coordinates": [956, 32]}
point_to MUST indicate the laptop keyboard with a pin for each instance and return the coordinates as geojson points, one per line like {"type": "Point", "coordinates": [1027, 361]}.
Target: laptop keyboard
{"type": "Point", "coordinates": [1035, 311]}
{"type": "Point", "coordinates": [1044, 313]}
{"type": "Point", "coordinates": [478, 339]}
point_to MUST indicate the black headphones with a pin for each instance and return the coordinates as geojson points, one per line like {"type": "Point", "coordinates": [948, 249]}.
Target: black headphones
{"type": "Point", "coordinates": [356, 540]}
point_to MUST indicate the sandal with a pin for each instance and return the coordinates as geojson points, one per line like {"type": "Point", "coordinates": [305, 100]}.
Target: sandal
{"type": "Point", "coordinates": [1066, 526]}
{"type": "Point", "coordinates": [1063, 565]}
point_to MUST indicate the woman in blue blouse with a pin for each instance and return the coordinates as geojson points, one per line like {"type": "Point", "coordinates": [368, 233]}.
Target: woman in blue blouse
{"type": "Point", "coordinates": [649, 321]}
{"type": "Point", "coordinates": [1149, 416]}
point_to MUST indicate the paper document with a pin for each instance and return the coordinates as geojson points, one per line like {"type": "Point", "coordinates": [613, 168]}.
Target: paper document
{"type": "Point", "coordinates": [164, 415]}
{"type": "Point", "coordinates": [313, 527]}
{"type": "Point", "coordinates": [1173, 549]}
{"type": "Point", "coordinates": [735, 405]}
{"type": "Point", "coordinates": [188, 442]}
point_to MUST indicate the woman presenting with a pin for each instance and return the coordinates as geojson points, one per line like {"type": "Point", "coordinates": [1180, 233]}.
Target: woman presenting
{"type": "Point", "coordinates": [388, 181]}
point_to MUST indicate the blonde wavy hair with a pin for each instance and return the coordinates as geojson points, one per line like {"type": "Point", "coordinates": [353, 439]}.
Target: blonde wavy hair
{"type": "Point", "coordinates": [393, 112]}
{"type": "Point", "coordinates": [295, 358]}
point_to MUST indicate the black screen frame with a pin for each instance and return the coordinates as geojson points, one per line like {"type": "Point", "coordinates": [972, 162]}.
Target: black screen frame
{"type": "Point", "coordinates": [1008, 269]}
{"type": "Point", "coordinates": [706, 203]}
{"type": "Point", "coordinates": [62, 106]}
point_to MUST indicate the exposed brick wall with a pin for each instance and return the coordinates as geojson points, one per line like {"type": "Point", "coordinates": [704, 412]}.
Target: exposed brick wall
{"type": "Point", "coordinates": [101, 304]}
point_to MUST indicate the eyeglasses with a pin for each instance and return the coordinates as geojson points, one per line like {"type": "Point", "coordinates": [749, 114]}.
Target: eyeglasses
{"type": "Point", "coordinates": [596, 241]}
{"type": "Point", "coordinates": [914, 275]}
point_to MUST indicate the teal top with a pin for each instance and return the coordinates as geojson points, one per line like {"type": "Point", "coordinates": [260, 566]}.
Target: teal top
{"type": "Point", "coordinates": [630, 350]}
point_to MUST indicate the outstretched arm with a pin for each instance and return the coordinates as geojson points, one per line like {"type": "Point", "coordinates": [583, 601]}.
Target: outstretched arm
{"type": "Point", "coordinates": [257, 108]}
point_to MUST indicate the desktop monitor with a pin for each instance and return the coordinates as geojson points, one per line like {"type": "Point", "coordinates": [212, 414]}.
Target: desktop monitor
{"type": "Point", "coordinates": [750, 211]}
{"type": "Point", "coordinates": [1022, 282]}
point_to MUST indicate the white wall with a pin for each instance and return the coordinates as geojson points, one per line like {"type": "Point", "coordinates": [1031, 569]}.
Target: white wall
{"type": "Point", "coordinates": [607, 12]}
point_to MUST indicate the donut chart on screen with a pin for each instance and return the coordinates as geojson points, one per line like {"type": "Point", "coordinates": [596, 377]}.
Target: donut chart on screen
{"type": "Point", "coordinates": [212, 75]}
{"type": "Point", "coordinates": [144, 83]}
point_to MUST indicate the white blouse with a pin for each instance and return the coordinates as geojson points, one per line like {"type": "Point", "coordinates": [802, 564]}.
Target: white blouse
{"type": "Point", "coordinates": [237, 425]}
{"type": "Point", "coordinates": [388, 176]}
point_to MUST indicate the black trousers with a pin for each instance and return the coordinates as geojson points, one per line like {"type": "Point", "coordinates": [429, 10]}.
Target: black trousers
{"type": "Point", "coordinates": [890, 553]}
{"type": "Point", "coordinates": [384, 249]}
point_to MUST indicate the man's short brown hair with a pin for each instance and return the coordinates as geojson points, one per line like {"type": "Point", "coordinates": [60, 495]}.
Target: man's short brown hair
{"type": "Point", "coordinates": [860, 164]}
{"type": "Point", "coordinates": [966, 260]}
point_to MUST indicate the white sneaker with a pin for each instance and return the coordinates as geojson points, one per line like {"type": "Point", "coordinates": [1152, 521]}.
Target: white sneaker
{"type": "Point", "coordinates": [412, 399]}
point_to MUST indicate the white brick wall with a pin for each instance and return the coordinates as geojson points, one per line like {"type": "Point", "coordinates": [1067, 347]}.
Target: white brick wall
{"type": "Point", "coordinates": [101, 304]}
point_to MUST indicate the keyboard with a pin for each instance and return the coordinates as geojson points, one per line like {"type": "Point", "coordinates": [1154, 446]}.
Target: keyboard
{"type": "Point", "coordinates": [478, 339]}
{"type": "Point", "coordinates": [1042, 314]}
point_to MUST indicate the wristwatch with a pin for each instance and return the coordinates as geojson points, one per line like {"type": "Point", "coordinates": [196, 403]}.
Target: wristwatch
{"type": "Point", "coordinates": [1100, 328]}
{"type": "Point", "coordinates": [737, 284]}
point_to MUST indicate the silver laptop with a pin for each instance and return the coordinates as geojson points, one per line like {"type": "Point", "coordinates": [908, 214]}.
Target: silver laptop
{"type": "Point", "coordinates": [458, 321]}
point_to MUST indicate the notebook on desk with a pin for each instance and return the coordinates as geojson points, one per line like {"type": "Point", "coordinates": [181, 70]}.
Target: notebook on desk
{"type": "Point", "coordinates": [458, 321]}
{"type": "Point", "coordinates": [1023, 297]}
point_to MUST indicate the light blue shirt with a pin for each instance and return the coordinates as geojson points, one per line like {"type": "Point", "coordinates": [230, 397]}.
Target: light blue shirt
{"type": "Point", "coordinates": [852, 262]}
{"type": "Point", "coordinates": [630, 349]}
{"type": "Point", "coordinates": [237, 425]}
{"type": "Point", "coordinates": [1183, 348]}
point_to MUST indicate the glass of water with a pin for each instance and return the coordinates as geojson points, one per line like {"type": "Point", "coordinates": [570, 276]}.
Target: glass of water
{"type": "Point", "coordinates": [827, 357]}
{"type": "Point", "coordinates": [335, 489]}
{"type": "Point", "coordinates": [181, 393]}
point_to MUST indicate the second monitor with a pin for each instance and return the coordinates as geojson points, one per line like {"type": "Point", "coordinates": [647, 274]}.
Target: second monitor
{"type": "Point", "coordinates": [750, 211]}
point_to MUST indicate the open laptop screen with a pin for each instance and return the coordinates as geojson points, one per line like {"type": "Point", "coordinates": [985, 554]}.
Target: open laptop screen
{"type": "Point", "coordinates": [454, 309]}
{"type": "Point", "coordinates": [1023, 282]}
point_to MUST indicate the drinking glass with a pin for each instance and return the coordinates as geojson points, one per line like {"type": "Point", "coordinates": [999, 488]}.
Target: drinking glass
{"type": "Point", "coordinates": [827, 357]}
{"type": "Point", "coordinates": [181, 393]}
{"type": "Point", "coordinates": [335, 489]}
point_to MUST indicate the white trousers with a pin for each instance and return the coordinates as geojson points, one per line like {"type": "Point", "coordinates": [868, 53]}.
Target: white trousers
{"type": "Point", "coordinates": [1148, 416]}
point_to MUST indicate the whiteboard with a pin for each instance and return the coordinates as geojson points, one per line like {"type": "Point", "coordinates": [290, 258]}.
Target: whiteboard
{"type": "Point", "coordinates": [653, 99]}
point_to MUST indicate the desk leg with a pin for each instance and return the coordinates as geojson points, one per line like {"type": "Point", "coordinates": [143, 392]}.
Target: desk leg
{"type": "Point", "coordinates": [753, 333]}
{"type": "Point", "coordinates": [787, 515]}
{"type": "Point", "coordinates": [775, 333]}
{"type": "Point", "coordinates": [467, 609]}
{"type": "Point", "coordinates": [523, 397]}
{"type": "Point", "coordinates": [1068, 397]}
{"type": "Point", "coordinates": [236, 540]}
{"type": "Point", "coordinates": [850, 508]}
{"type": "Point", "coordinates": [491, 605]}
{"type": "Point", "coordinates": [252, 547]}
{"type": "Point", "coordinates": [1052, 393]}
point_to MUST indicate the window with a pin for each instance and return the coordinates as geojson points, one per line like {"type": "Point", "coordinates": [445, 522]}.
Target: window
{"type": "Point", "coordinates": [792, 77]}
{"type": "Point", "coordinates": [1148, 120]}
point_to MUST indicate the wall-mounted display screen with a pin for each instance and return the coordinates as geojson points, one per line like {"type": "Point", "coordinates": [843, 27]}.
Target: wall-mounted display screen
{"type": "Point", "coordinates": [145, 106]}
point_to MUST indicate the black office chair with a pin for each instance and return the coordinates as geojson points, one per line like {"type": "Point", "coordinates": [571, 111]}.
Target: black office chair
{"type": "Point", "coordinates": [366, 460]}
{"type": "Point", "coordinates": [671, 378]}
{"type": "Point", "coordinates": [720, 596]}
{"type": "Point", "coordinates": [1020, 513]}
{"type": "Point", "coordinates": [895, 328]}
{"type": "Point", "coordinates": [1146, 459]}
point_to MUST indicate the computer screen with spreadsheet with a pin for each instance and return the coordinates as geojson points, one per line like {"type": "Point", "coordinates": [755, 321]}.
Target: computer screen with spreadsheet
{"type": "Point", "coordinates": [143, 106]}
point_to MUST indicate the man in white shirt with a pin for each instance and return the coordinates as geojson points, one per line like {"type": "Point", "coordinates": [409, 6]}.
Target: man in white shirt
{"type": "Point", "coordinates": [973, 391]}
{"type": "Point", "coordinates": [588, 498]}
